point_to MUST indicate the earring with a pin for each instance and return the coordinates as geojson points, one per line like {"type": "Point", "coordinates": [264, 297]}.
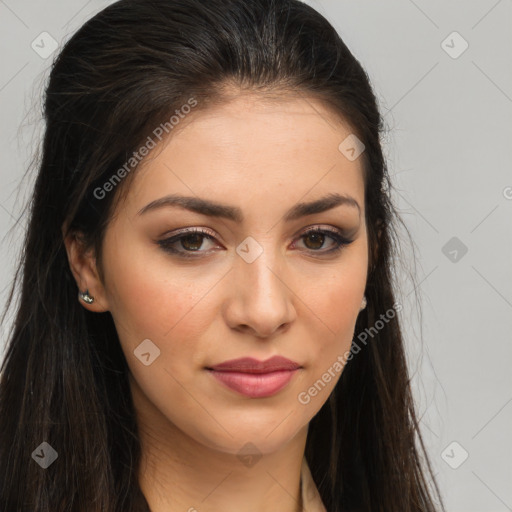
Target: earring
{"type": "Point", "coordinates": [363, 303]}
{"type": "Point", "coordinates": [86, 297]}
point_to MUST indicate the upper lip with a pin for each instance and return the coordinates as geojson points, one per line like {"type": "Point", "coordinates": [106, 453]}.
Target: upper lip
{"type": "Point", "coordinates": [251, 365]}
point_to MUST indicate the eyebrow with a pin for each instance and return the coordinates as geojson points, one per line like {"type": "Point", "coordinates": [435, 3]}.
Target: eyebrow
{"type": "Point", "coordinates": [233, 213]}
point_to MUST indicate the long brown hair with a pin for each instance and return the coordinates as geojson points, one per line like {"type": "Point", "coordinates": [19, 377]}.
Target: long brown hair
{"type": "Point", "coordinates": [64, 378]}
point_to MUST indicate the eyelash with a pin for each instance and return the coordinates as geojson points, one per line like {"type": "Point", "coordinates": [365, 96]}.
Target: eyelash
{"type": "Point", "coordinates": [166, 244]}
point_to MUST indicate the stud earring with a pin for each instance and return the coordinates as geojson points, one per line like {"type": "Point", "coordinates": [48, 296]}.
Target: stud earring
{"type": "Point", "coordinates": [86, 297]}
{"type": "Point", "coordinates": [363, 303]}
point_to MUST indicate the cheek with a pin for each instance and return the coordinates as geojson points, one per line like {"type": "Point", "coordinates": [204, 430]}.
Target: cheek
{"type": "Point", "coordinates": [339, 306]}
{"type": "Point", "coordinates": [334, 304]}
{"type": "Point", "coordinates": [147, 295]}
{"type": "Point", "coordinates": [170, 307]}
{"type": "Point", "coordinates": [333, 310]}
{"type": "Point", "coordinates": [332, 296]}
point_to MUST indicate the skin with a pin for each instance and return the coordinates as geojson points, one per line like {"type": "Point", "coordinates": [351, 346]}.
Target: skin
{"type": "Point", "coordinates": [263, 157]}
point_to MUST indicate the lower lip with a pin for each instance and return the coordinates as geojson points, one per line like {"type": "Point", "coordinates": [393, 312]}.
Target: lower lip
{"type": "Point", "coordinates": [255, 385]}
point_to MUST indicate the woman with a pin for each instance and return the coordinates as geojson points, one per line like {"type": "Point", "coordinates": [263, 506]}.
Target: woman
{"type": "Point", "coordinates": [213, 188]}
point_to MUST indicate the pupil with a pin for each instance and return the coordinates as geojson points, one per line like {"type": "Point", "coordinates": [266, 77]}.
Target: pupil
{"type": "Point", "coordinates": [319, 237]}
{"type": "Point", "coordinates": [196, 237]}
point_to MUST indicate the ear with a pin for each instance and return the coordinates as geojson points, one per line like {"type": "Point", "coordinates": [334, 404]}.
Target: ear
{"type": "Point", "coordinates": [83, 267]}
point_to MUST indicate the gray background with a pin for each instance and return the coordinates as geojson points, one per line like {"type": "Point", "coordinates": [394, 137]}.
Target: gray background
{"type": "Point", "coordinates": [449, 150]}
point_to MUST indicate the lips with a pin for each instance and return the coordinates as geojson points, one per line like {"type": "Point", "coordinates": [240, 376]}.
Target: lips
{"type": "Point", "coordinates": [250, 365]}
{"type": "Point", "coordinates": [253, 378]}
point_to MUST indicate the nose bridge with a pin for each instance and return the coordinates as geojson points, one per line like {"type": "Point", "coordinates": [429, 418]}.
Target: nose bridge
{"type": "Point", "coordinates": [259, 286]}
{"type": "Point", "coordinates": [259, 266]}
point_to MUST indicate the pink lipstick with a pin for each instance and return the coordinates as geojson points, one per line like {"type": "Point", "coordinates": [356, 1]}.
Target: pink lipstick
{"type": "Point", "coordinates": [253, 378]}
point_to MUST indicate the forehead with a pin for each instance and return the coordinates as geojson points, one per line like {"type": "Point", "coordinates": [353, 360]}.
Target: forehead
{"type": "Point", "coordinates": [249, 146]}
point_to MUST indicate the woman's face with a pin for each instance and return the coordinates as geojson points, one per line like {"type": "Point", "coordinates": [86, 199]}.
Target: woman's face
{"type": "Point", "coordinates": [252, 284]}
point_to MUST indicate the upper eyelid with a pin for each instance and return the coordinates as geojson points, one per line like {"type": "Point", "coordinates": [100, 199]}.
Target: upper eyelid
{"type": "Point", "coordinates": [324, 227]}
{"type": "Point", "coordinates": [209, 232]}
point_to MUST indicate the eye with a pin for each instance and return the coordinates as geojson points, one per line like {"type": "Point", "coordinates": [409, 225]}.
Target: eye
{"type": "Point", "coordinates": [314, 238]}
{"type": "Point", "coordinates": [190, 241]}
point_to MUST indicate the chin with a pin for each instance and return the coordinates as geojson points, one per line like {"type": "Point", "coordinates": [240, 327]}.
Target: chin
{"type": "Point", "coordinates": [257, 439]}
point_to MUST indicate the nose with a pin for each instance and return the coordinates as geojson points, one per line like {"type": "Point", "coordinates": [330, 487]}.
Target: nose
{"type": "Point", "coordinates": [260, 301]}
